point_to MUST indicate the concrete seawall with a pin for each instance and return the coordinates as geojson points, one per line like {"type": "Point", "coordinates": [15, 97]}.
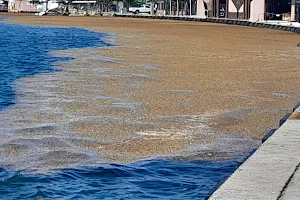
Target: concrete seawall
{"type": "Point", "coordinates": [221, 21]}
{"type": "Point", "coordinates": [272, 172]}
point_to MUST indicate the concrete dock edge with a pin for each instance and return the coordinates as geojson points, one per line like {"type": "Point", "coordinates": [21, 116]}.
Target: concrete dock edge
{"type": "Point", "coordinates": [272, 171]}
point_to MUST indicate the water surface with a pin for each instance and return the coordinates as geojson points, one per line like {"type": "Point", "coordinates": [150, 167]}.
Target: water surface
{"type": "Point", "coordinates": [155, 179]}
{"type": "Point", "coordinates": [25, 51]}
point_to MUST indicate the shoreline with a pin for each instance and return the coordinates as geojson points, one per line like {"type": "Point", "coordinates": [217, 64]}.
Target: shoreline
{"type": "Point", "coordinates": [272, 170]}
{"type": "Point", "coordinates": [179, 98]}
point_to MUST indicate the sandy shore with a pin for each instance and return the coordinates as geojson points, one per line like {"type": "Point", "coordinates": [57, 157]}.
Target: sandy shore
{"type": "Point", "coordinates": [167, 88]}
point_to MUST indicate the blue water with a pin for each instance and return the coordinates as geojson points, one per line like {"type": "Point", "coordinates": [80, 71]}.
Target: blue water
{"type": "Point", "coordinates": [24, 52]}
{"type": "Point", "coordinates": [156, 179]}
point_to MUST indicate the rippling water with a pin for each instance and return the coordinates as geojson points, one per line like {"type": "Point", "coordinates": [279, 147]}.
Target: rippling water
{"type": "Point", "coordinates": [144, 180]}
{"type": "Point", "coordinates": [24, 52]}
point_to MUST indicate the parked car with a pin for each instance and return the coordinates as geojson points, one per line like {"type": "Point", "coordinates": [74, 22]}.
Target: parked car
{"type": "Point", "coordinates": [145, 8]}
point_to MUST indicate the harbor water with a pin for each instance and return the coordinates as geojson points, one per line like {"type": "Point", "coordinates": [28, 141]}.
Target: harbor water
{"type": "Point", "coordinates": [26, 51]}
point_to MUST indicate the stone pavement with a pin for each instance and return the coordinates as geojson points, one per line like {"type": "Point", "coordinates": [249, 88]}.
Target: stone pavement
{"type": "Point", "coordinates": [272, 172]}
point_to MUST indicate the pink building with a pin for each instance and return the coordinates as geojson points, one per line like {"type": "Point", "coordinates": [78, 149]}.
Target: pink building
{"type": "Point", "coordinates": [22, 6]}
{"type": "Point", "coordinates": [254, 10]}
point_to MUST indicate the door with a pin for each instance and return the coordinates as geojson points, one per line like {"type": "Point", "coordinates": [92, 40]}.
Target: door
{"type": "Point", "coordinates": [223, 9]}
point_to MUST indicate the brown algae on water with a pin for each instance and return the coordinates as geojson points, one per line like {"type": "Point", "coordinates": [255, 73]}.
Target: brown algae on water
{"type": "Point", "coordinates": [68, 119]}
{"type": "Point", "coordinates": [195, 94]}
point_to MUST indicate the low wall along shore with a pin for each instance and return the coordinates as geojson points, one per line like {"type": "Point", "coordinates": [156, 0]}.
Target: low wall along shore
{"type": "Point", "coordinates": [272, 172]}
{"type": "Point", "coordinates": [221, 21]}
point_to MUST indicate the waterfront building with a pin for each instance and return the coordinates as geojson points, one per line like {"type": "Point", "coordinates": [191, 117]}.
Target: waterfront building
{"type": "Point", "coordinates": [254, 10]}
